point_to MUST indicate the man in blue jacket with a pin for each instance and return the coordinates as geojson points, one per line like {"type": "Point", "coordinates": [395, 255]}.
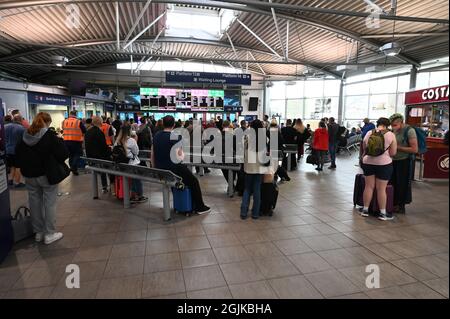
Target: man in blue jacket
{"type": "Point", "coordinates": [13, 135]}
{"type": "Point", "coordinates": [368, 126]}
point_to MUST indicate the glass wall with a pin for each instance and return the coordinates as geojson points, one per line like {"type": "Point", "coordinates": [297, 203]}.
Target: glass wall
{"type": "Point", "coordinates": [312, 100]}
{"type": "Point", "coordinates": [383, 97]}
{"type": "Point", "coordinates": [309, 100]}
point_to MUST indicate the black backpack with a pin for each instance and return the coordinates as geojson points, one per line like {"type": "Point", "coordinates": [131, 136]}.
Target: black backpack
{"type": "Point", "coordinates": [119, 155]}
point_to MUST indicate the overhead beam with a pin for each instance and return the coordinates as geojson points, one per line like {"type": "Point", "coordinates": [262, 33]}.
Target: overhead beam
{"type": "Point", "coordinates": [145, 30]}
{"type": "Point", "coordinates": [274, 17]}
{"type": "Point", "coordinates": [136, 22]}
{"type": "Point", "coordinates": [223, 4]}
{"type": "Point", "coordinates": [296, 16]}
{"type": "Point", "coordinates": [287, 39]}
{"type": "Point", "coordinates": [257, 64]}
{"type": "Point", "coordinates": [117, 25]}
{"type": "Point", "coordinates": [258, 38]}
{"type": "Point", "coordinates": [234, 49]}
{"type": "Point", "coordinates": [404, 35]}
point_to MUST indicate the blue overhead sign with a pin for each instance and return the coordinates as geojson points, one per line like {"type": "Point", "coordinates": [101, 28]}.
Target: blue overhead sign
{"type": "Point", "coordinates": [208, 78]}
{"type": "Point", "coordinates": [49, 99]}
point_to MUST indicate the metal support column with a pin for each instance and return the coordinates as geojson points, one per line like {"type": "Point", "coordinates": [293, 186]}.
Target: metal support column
{"type": "Point", "coordinates": [230, 183]}
{"type": "Point", "coordinates": [166, 202]}
{"type": "Point", "coordinates": [118, 26]}
{"type": "Point", "coordinates": [126, 193]}
{"type": "Point", "coordinates": [94, 185]}
{"type": "Point", "coordinates": [413, 78]}
{"type": "Point", "coordinates": [340, 118]}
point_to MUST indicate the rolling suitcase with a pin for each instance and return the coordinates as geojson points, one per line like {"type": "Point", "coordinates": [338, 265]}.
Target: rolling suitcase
{"type": "Point", "coordinates": [358, 193]}
{"type": "Point", "coordinates": [182, 201]}
{"type": "Point", "coordinates": [269, 198]}
{"type": "Point", "coordinates": [118, 187]}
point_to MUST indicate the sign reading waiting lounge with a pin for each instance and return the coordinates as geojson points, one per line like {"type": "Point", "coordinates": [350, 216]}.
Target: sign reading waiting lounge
{"type": "Point", "coordinates": [208, 78]}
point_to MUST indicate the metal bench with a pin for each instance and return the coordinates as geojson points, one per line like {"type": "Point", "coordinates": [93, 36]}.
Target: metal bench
{"type": "Point", "coordinates": [165, 178]}
{"type": "Point", "coordinates": [352, 143]}
{"type": "Point", "coordinates": [290, 149]}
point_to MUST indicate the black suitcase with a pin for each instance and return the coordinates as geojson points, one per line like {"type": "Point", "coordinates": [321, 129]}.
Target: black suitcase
{"type": "Point", "coordinates": [269, 198]}
{"type": "Point", "coordinates": [358, 190]}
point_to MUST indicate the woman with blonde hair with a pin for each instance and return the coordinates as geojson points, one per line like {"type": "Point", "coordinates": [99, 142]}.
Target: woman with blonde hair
{"type": "Point", "coordinates": [41, 156]}
{"type": "Point", "coordinates": [303, 135]}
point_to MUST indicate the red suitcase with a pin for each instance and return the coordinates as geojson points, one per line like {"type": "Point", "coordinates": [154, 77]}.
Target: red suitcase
{"type": "Point", "coordinates": [118, 186]}
{"type": "Point", "coordinates": [358, 193]}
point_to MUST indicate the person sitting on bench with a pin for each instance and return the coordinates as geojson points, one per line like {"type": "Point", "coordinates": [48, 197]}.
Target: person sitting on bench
{"type": "Point", "coordinates": [162, 145]}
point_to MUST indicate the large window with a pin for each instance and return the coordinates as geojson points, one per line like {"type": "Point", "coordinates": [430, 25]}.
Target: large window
{"type": "Point", "coordinates": [309, 100]}
{"type": "Point", "coordinates": [382, 105]}
{"type": "Point", "coordinates": [356, 107]}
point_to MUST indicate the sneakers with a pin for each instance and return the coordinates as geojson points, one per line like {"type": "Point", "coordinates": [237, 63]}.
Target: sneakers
{"type": "Point", "coordinates": [39, 237]}
{"type": "Point", "coordinates": [51, 238]}
{"type": "Point", "coordinates": [332, 167]}
{"type": "Point", "coordinates": [105, 190]}
{"type": "Point", "coordinates": [204, 210]}
{"type": "Point", "coordinates": [364, 214]}
{"type": "Point", "coordinates": [385, 217]}
{"type": "Point", "coordinates": [138, 200]}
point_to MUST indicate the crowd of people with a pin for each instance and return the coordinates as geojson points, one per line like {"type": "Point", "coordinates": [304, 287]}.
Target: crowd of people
{"type": "Point", "coordinates": [102, 138]}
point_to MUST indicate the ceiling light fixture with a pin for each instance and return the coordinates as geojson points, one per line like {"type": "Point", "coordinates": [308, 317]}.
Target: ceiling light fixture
{"type": "Point", "coordinates": [59, 60]}
{"type": "Point", "coordinates": [391, 49]}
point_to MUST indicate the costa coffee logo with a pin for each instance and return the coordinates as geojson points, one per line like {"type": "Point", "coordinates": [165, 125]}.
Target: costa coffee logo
{"type": "Point", "coordinates": [435, 94]}
{"type": "Point", "coordinates": [443, 163]}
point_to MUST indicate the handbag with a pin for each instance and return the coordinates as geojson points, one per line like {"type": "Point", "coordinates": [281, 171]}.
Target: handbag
{"type": "Point", "coordinates": [55, 171]}
{"type": "Point", "coordinates": [21, 224]}
{"type": "Point", "coordinates": [312, 159]}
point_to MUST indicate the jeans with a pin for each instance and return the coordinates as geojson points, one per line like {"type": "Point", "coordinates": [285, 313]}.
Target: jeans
{"type": "Point", "coordinates": [104, 180]}
{"type": "Point", "coordinates": [42, 201]}
{"type": "Point", "coordinates": [75, 150]}
{"type": "Point", "coordinates": [321, 157]}
{"type": "Point", "coordinates": [252, 188]}
{"type": "Point", "coordinates": [332, 150]}
{"type": "Point", "coordinates": [136, 187]}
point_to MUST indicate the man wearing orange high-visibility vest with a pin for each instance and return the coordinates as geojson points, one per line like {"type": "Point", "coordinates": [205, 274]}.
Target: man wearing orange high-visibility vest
{"type": "Point", "coordinates": [108, 131]}
{"type": "Point", "coordinates": [73, 134]}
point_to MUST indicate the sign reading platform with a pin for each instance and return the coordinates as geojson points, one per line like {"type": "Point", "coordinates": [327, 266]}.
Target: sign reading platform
{"type": "Point", "coordinates": [208, 78]}
{"type": "Point", "coordinates": [49, 99]}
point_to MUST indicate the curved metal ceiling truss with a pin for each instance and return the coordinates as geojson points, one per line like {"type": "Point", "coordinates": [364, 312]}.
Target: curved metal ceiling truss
{"type": "Point", "coordinates": [288, 12]}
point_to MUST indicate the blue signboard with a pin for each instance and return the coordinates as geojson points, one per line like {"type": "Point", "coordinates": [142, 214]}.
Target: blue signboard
{"type": "Point", "coordinates": [50, 99]}
{"type": "Point", "coordinates": [250, 118]}
{"type": "Point", "coordinates": [208, 78]}
{"type": "Point", "coordinates": [109, 106]}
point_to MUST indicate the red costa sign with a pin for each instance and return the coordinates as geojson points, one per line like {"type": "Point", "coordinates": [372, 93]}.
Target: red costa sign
{"type": "Point", "coordinates": [437, 94]}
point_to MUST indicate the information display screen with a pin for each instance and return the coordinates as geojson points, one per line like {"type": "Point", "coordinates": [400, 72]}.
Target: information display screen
{"type": "Point", "coordinates": [163, 99]}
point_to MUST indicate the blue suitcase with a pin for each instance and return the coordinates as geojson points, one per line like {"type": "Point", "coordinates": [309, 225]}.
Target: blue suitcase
{"type": "Point", "coordinates": [182, 200]}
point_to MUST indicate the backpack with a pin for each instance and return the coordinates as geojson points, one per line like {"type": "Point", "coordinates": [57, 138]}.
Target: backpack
{"type": "Point", "coordinates": [119, 155]}
{"type": "Point", "coordinates": [375, 144]}
{"type": "Point", "coordinates": [421, 139]}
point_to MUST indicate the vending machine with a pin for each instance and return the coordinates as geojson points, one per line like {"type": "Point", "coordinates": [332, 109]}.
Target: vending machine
{"type": "Point", "coordinates": [6, 233]}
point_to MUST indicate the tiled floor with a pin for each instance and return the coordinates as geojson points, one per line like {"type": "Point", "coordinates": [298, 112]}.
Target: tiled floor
{"type": "Point", "coordinates": [315, 245]}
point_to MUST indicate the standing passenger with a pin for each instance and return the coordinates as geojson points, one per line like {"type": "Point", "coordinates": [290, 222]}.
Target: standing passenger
{"type": "Point", "coordinates": [13, 135]}
{"type": "Point", "coordinates": [320, 144]}
{"type": "Point", "coordinates": [73, 130]}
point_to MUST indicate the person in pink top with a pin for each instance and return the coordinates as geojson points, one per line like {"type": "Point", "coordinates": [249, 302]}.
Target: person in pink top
{"type": "Point", "coordinates": [378, 169]}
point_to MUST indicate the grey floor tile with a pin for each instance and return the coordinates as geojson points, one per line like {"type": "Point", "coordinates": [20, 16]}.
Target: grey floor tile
{"type": "Point", "coordinates": [231, 254]}
{"type": "Point", "coordinates": [32, 293]}
{"type": "Point", "coordinates": [212, 293]}
{"type": "Point", "coordinates": [223, 240]}
{"type": "Point", "coordinates": [122, 267]}
{"type": "Point", "coordinates": [92, 254]}
{"type": "Point", "coordinates": [40, 277]}
{"type": "Point", "coordinates": [414, 269]}
{"type": "Point", "coordinates": [331, 283]}
{"type": "Point", "coordinates": [162, 262]}
{"type": "Point", "coordinates": [87, 290]}
{"type": "Point", "coordinates": [309, 262]}
{"type": "Point", "coordinates": [433, 264]}
{"type": "Point", "coordinates": [193, 243]}
{"type": "Point", "coordinates": [292, 246]}
{"type": "Point", "coordinates": [439, 285]}
{"type": "Point", "coordinates": [388, 293]}
{"type": "Point", "coordinates": [160, 233]}
{"type": "Point", "coordinates": [274, 267]}
{"type": "Point", "coordinates": [197, 258]}
{"type": "Point", "coordinates": [420, 291]}
{"type": "Point", "coordinates": [252, 290]}
{"type": "Point", "coordinates": [135, 249]}
{"type": "Point", "coordinates": [131, 236]}
{"type": "Point", "coordinates": [318, 243]}
{"type": "Point", "coordinates": [203, 278]}
{"type": "Point", "coordinates": [163, 283]}
{"type": "Point", "coordinates": [161, 246]}
{"type": "Point", "coordinates": [341, 258]}
{"type": "Point", "coordinates": [241, 272]}
{"type": "Point", "coordinates": [120, 288]}
{"type": "Point", "coordinates": [294, 287]}
{"type": "Point", "coordinates": [260, 250]}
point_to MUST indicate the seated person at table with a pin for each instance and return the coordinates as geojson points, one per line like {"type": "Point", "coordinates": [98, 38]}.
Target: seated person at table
{"type": "Point", "coordinates": [162, 145]}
